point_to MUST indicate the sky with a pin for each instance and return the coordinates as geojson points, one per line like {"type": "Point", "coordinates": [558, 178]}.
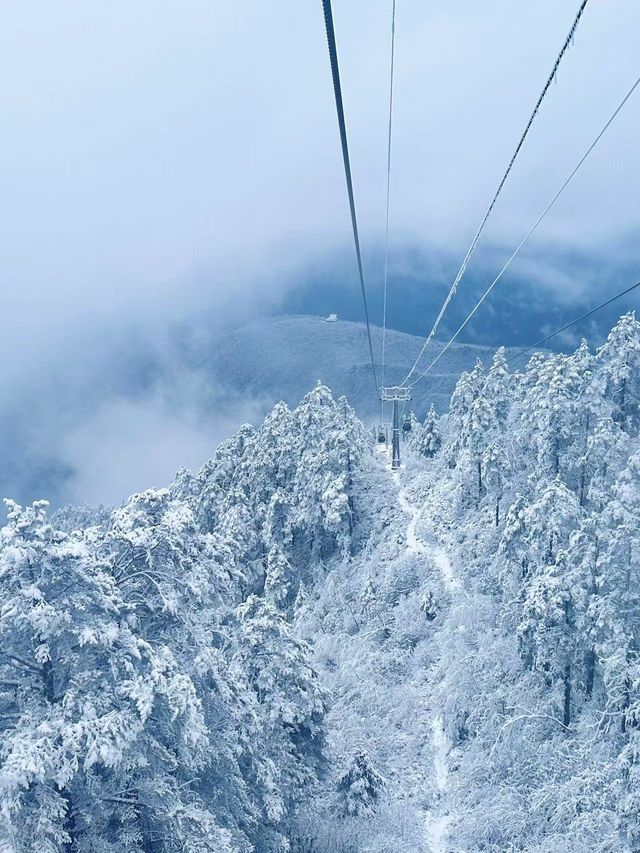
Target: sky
{"type": "Point", "coordinates": [171, 170]}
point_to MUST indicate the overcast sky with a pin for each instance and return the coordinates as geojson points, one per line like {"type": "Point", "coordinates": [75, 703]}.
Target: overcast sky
{"type": "Point", "coordinates": [174, 165]}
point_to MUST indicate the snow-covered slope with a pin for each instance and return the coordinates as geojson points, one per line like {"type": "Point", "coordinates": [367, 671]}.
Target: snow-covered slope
{"type": "Point", "coordinates": [282, 358]}
{"type": "Point", "coordinates": [298, 649]}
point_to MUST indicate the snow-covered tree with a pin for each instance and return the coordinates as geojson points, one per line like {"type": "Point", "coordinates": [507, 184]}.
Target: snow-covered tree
{"type": "Point", "coordinates": [496, 467]}
{"type": "Point", "coordinates": [497, 387]}
{"type": "Point", "coordinates": [467, 390]}
{"type": "Point", "coordinates": [359, 787]}
{"type": "Point", "coordinates": [549, 414]}
{"type": "Point", "coordinates": [618, 364]}
{"type": "Point", "coordinates": [289, 705]}
{"type": "Point", "coordinates": [103, 731]}
{"type": "Point", "coordinates": [428, 437]}
{"type": "Point", "coordinates": [547, 631]}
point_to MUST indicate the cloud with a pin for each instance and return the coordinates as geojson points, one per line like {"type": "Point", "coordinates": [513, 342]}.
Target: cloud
{"type": "Point", "coordinates": [130, 445]}
{"type": "Point", "coordinates": [172, 169]}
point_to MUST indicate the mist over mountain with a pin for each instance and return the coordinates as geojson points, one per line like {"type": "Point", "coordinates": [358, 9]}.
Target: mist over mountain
{"type": "Point", "coordinates": [280, 358]}
{"type": "Point", "coordinates": [105, 423]}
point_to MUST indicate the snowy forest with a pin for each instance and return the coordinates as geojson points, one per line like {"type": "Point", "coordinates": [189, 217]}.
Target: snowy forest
{"type": "Point", "coordinates": [297, 650]}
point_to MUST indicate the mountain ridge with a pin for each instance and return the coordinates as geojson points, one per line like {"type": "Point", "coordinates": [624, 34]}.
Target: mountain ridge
{"type": "Point", "coordinates": [282, 357]}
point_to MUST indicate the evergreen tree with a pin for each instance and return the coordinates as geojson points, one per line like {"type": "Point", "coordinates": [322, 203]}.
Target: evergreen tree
{"type": "Point", "coordinates": [280, 577]}
{"type": "Point", "coordinates": [429, 438]}
{"type": "Point", "coordinates": [546, 631]}
{"type": "Point", "coordinates": [467, 390]}
{"type": "Point", "coordinates": [616, 614]}
{"type": "Point", "coordinates": [103, 731]}
{"type": "Point", "coordinates": [618, 362]}
{"type": "Point", "coordinates": [288, 702]}
{"type": "Point", "coordinates": [479, 427]}
{"type": "Point", "coordinates": [496, 468]}
{"type": "Point", "coordinates": [359, 787]}
{"type": "Point", "coordinates": [600, 464]}
{"type": "Point", "coordinates": [550, 412]}
{"type": "Point", "coordinates": [497, 387]}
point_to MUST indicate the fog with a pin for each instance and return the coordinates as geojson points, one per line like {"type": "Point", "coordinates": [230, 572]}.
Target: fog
{"type": "Point", "coordinates": [172, 170]}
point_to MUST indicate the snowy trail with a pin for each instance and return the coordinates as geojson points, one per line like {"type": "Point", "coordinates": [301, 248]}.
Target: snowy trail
{"type": "Point", "coordinates": [436, 822]}
{"type": "Point", "coordinates": [437, 825]}
{"type": "Point", "coordinates": [417, 545]}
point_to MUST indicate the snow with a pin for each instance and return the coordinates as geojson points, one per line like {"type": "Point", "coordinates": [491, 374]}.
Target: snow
{"type": "Point", "coordinates": [418, 660]}
{"type": "Point", "coordinates": [417, 545]}
{"type": "Point", "coordinates": [440, 752]}
{"type": "Point", "coordinates": [414, 545]}
{"type": "Point", "coordinates": [281, 358]}
{"type": "Point", "coordinates": [437, 821]}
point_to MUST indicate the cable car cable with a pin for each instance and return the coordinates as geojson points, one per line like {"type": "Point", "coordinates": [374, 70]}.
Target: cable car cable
{"type": "Point", "coordinates": [337, 90]}
{"type": "Point", "coordinates": [529, 233]}
{"type": "Point", "coordinates": [386, 229]}
{"type": "Point", "coordinates": [463, 267]}
{"type": "Point", "coordinates": [584, 316]}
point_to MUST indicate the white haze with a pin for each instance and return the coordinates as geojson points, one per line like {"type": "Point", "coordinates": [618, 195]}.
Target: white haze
{"type": "Point", "coordinates": [165, 164]}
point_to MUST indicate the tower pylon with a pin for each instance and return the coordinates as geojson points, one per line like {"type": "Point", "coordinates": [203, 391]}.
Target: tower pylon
{"type": "Point", "coordinates": [395, 394]}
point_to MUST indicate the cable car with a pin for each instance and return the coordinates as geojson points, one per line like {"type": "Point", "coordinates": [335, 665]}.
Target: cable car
{"type": "Point", "coordinates": [382, 435]}
{"type": "Point", "coordinates": [406, 426]}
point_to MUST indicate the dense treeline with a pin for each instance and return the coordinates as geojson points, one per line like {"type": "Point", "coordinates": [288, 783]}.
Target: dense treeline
{"type": "Point", "coordinates": [537, 490]}
{"type": "Point", "coordinates": [262, 656]}
{"type": "Point", "coordinates": [152, 694]}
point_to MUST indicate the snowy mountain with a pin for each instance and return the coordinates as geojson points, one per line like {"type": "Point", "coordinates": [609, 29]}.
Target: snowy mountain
{"type": "Point", "coordinates": [297, 649]}
{"type": "Point", "coordinates": [189, 392]}
{"type": "Point", "coordinates": [281, 358]}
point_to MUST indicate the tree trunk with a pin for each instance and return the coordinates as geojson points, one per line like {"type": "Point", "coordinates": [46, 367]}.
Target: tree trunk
{"type": "Point", "coordinates": [583, 477]}
{"type": "Point", "coordinates": [69, 821]}
{"type": "Point", "coordinates": [590, 656]}
{"type": "Point", "coordinates": [589, 671]}
{"type": "Point", "coordinates": [566, 717]}
{"type": "Point", "coordinates": [583, 467]}
{"type": "Point", "coordinates": [556, 456]}
{"type": "Point", "coordinates": [625, 704]}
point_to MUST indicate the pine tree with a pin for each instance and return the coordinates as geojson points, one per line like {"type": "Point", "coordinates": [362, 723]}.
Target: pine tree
{"type": "Point", "coordinates": [513, 547]}
{"type": "Point", "coordinates": [549, 522]}
{"type": "Point", "coordinates": [600, 464]}
{"type": "Point", "coordinates": [429, 439]}
{"type": "Point", "coordinates": [550, 413]}
{"type": "Point", "coordinates": [359, 787]}
{"type": "Point", "coordinates": [584, 552]}
{"type": "Point", "coordinates": [288, 702]}
{"type": "Point", "coordinates": [496, 469]}
{"type": "Point", "coordinates": [97, 715]}
{"type": "Point", "coordinates": [479, 428]}
{"type": "Point", "coordinates": [467, 390]}
{"type": "Point", "coordinates": [280, 577]}
{"type": "Point", "coordinates": [546, 632]}
{"type": "Point", "coordinates": [618, 363]}
{"type": "Point", "coordinates": [619, 596]}
{"type": "Point", "coordinates": [415, 428]}
{"type": "Point", "coordinates": [497, 387]}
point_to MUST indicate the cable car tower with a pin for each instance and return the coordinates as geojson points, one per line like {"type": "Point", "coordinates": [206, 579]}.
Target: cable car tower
{"type": "Point", "coordinates": [395, 394]}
